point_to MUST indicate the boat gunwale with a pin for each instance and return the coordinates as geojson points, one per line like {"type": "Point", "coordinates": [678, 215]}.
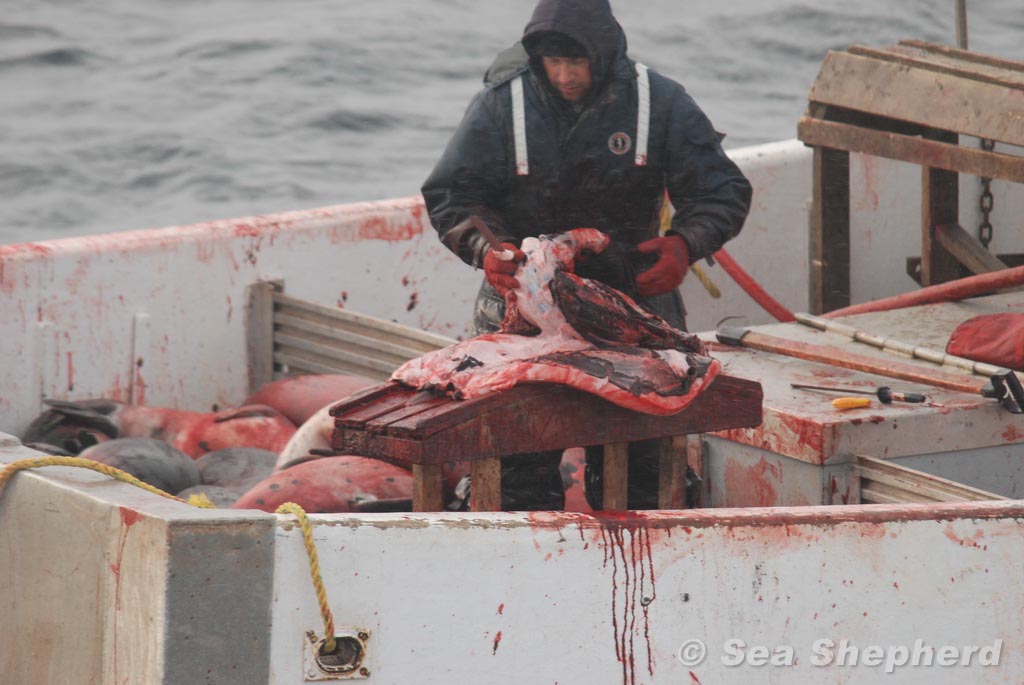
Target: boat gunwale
{"type": "Point", "coordinates": [253, 226]}
{"type": "Point", "coordinates": [84, 483]}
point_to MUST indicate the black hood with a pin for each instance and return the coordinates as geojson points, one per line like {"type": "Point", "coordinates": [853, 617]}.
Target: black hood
{"type": "Point", "coordinates": [590, 23]}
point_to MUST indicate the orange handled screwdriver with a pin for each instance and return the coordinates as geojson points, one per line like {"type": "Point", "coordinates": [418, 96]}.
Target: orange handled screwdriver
{"type": "Point", "coordinates": [851, 402]}
{"type": "Point", "coordinates": [885, 394]}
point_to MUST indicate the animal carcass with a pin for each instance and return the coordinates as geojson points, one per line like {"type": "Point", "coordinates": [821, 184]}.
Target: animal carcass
{"type": "Point", "coordinates": [560, 328]}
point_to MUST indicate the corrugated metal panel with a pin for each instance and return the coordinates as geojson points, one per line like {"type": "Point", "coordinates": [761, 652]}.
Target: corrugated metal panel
{"type": "Point", "coordinates": [882, 482]}
{"type": "Point", "coordinates": [312, 338]}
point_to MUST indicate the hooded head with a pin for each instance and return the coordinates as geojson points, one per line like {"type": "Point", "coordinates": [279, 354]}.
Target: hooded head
{"type": "Point", "coordinates": [566, 65]}
{"type": "Point", "coordinates": [578, 29]}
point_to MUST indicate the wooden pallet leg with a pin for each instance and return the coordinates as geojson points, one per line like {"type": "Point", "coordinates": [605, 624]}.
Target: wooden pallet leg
{"type": "Point", "coordinates": [485, 484]}
{"type": "Point", "coordinates": [427, 488]}
{"type": "Point", "coordinates": [940, 204]}
{"type": "Point", "coordinates": [695, 460]}
{"type": "Point", "coordinates": [672, 459]}
{"type": "Point", "coordinates": [830, 234]}
{"type": "Point", "coordinates": [616, 477]}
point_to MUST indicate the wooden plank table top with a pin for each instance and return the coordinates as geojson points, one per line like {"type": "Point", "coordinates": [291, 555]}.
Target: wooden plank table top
{"type": "Point", "coordinates": [425, 431]}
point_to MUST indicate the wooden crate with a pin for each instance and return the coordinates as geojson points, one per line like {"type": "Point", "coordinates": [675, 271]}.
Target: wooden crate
{"type": "Point", "coordinates": [910, 102]}
{"type": "Point", "coordinates": [424, 430]}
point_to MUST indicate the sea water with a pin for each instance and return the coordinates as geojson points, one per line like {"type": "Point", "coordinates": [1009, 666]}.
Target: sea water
{"type": "Point", "coordinates": [123, 114]}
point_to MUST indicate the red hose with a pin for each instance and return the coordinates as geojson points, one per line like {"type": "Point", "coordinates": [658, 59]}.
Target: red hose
{"type": "Point", "coordinates": [943, 292]}
{"type": "Point", "coordinates": [750, 286]}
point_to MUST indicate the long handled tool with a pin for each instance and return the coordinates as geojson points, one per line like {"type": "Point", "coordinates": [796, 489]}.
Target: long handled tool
{"type": "Point", "coordinates": [1003, 386]}
{"type": "Point", "coordinates": [885, 394]}
{"type": "Point", "coordinates": [928, 354]}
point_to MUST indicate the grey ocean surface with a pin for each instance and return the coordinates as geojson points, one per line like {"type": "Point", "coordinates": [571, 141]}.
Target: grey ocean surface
{"type": "Point", "coordinates": [125, 114]}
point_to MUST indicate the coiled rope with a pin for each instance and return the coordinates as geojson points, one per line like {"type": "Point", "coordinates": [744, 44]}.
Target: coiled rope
{"type": "Point", "coordinates": [287, 508]}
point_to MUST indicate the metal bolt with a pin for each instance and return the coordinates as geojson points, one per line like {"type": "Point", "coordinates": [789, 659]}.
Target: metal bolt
{"type": "Point", "coordinates": [364, 672]}
{"type": "Point", "coordinates": [364, 636]}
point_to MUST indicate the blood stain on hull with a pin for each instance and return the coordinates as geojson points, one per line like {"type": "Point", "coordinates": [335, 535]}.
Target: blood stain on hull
{"type": "Point", "coordinates": [626, 543]}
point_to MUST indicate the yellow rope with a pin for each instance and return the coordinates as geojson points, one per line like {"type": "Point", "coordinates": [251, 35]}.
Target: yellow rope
{"type": "Point", "coordinates": [314, 572]}
{"type": "Point", "coordinates": [202, 502]}
{"type": "Point", "coordinates": [118, 474]}
{"type": "Point", "coordinates": [706, 281]}
{"type": "Point", "coordinates": [698, 271]}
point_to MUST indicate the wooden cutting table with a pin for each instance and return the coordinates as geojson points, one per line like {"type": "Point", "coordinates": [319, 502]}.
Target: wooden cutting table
{"type": "Point", "coordinates": [418, 428]}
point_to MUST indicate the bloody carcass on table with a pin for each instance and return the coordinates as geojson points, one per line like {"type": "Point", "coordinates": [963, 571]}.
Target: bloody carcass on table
{"type": "Point", "coordinates": [560, 328]}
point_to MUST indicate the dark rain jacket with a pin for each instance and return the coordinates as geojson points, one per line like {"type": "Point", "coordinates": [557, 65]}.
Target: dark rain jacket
{"type": "Point", "coordinates": [582, 169]}
{"type": "Point", "coordinates": [582, 173]}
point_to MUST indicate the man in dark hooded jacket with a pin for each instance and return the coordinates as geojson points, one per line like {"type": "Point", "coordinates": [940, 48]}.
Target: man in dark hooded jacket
{"type": "Point", "coordinates": [570, 132]}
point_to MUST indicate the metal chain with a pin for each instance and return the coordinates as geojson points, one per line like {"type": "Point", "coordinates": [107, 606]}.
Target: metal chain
{"type": "Point", "coordinates": [986, 202]}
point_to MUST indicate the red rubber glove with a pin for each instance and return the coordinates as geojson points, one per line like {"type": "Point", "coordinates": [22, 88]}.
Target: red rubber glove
{"type": "Point", "coordinates": [670, 269]}
{"type": "Point", "coordinates": [500, 272]}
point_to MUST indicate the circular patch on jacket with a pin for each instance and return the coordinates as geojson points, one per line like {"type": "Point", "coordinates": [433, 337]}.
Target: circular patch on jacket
{"type": "Point", "coordinates": [620, 143]}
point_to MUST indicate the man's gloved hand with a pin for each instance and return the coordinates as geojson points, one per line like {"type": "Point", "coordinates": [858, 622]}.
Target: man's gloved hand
{"type": "Point", "coordinates": [499, 271]}
{"type": "Point", "coordinates": [670, 269]}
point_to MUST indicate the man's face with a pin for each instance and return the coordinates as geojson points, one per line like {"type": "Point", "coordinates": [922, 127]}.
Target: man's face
{"type": "Point", "coordinates": [569, 75]}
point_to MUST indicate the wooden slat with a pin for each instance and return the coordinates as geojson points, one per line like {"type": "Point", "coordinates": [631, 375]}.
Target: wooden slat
{"type": "Point", "coordinates": [945, 64]}
{"type": "Point", "coordinates": [450, 411]}
{"type": "Point", "coordinates": [964, 55]}
{"type": "Point", "coordinates": [616, 477]}
{"type": "Point", "coordinates": [941, 101]}
{"type": "Point", "coordinates": [485, 485]}
{"type": "Point", "coordinates": [383, 423]}
{"type": "Point", "coordinates": [912, 149]}
{"type": "Point", "coordinates": [366, 444]}
{"type": "Point", "coordinates": [376, 446]}
{"type": "Point", "coordinates": [443, 417]}
{"type": "Point", "coordinates": [365, 398]}
{"type": "Point", "coordinates": [358, 415]}
{"type": "Point", "coordinates": [967, 249]}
